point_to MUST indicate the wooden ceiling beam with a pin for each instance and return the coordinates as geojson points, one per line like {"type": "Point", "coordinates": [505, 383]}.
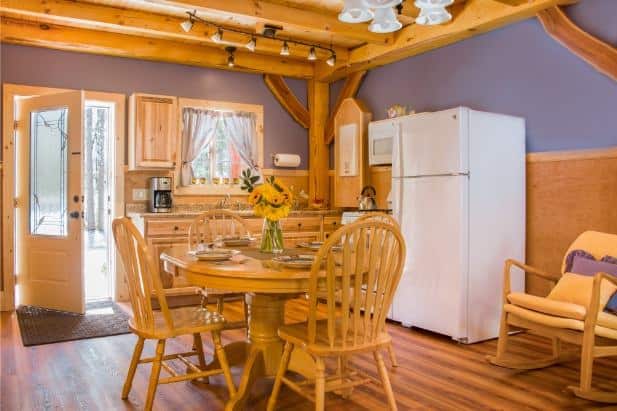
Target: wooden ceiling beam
{"type": "Point", "coordinates": [140, 23]}
{"type": "Point", "coordinates": [350, 89]}
{"type": "Point", "coordinates": [98, 42]}
{"type": "Point", "coordinates": [286, 16]}
{"type": "Point", "coordinates": [287, 99]}
{"type": "Point", "coordinates": [473, 18]}
{"type": "Point", "coordinates": [600, 55]}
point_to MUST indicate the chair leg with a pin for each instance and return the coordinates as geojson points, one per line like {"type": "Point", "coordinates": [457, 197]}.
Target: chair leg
{"type": "Point", "coordinates": [556, 347]}
{"type": "Point", "coordinates": [502, 342]}
{"type": "Point", "coordinates": [199, 348]}
{"type": "Point", "coordinates": [385, 379]}
{"type": "Point", "coordinates": [222, 358]}
{"type": "Point", "coordinates": [155, 373]}
{"type": "Point", "coordinates": [139, 346]}
{"type": "Point", "coordinates": [278, 380]}
{"type": "Point", "coordinates": [587, 361]}
{"type": "Point", "coordinates": [392, 355]}
{"type": "Point", "coordinates": [320, 384]}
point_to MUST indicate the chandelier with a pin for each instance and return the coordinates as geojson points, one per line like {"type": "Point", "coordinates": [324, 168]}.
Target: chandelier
{"type": "Point", "coordinates": [383, 14]}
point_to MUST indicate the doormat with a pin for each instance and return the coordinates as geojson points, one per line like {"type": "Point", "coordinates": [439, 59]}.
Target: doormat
{"type": "Point", "coordinates": [45, 326]}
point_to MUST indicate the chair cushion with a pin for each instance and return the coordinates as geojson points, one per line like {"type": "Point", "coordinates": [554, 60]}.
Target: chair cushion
{"type": "Point", "coordinates": [576, 289]}
{"type": "Point", "coordinates": [604, 328]}
{"type": "Point", "coordinates": [548, 306]}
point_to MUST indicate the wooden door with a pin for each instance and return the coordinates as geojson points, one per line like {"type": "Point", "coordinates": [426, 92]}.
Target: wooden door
{"type": "Point", "coordinates": [152, 131]}
{"type": "Point", "coordinates": [48, 204]}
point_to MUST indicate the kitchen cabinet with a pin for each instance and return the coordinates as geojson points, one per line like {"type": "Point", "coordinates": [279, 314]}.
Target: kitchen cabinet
{"type": "Point", "coordinates": [162, 232]}
{"type": "Point", "coordinates": [153, 130]}
{"type": "Point", "coordinates": [350, 152]}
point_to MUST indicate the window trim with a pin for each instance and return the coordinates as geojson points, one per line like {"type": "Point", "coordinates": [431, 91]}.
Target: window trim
{"type": "Point", "coordinates": [212, 189]}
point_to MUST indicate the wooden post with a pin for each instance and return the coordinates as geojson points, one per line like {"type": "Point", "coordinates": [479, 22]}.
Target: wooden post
{"type": "Point", "coordinates": [318, 102]}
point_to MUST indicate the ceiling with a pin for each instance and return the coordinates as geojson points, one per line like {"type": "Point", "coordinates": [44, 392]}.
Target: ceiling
{"type": "Point", "coordinates": [150, 29]}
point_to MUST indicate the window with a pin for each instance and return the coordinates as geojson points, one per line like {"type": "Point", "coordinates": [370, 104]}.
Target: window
{"type": "Point", "coordinates": [217, 141]}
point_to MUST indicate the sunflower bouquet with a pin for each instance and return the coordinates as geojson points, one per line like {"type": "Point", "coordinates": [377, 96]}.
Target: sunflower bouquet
{"type": "Point", "coordinates": [271, 200]}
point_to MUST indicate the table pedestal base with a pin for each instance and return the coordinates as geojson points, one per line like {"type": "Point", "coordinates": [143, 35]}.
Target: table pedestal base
{"type": "Point", "coordinates": [261, 355]}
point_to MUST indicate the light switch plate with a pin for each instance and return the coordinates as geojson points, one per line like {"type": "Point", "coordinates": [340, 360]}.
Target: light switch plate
{"type": "Point", "coordinates": [140, 194]}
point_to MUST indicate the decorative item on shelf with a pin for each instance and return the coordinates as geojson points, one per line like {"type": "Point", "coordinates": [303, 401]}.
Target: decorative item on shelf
{"type": "Point", "coordinates": [271, 200]}
{"type": "Point", "coordinates": [433, 12]}
{"type": "Point", "coordinates": [216, 180]}
{"type": "Point", "coordinates": [286, 160]}
{"type": "Point", "coordinates": [366, 201]}
{"type": "Point", "coordinates": [397, 110]}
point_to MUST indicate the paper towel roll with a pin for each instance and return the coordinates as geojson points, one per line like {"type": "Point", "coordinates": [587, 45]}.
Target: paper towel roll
{"type": "Point", "coordinates": [286, 160]}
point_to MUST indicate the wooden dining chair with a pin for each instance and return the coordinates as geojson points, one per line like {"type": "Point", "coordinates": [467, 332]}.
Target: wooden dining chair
{"type": "Point", "coordinates": [208, 228]}
{"type": "Point", "coordinates": [143, 282]}
{"type": "Point", "coordinates": [371, 258]}
{"type": "Point", "coordinates": [388, 219]}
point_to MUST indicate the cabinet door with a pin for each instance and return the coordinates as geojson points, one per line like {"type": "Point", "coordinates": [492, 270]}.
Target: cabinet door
{"type": "Point", "coordinates": [153, 130]}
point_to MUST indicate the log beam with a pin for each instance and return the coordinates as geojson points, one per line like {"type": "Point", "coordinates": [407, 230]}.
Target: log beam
{"type": "Point", "coordinates": [600, 55]}
{"type": "Point", "coordinates": [350, 89]}
{"type": "Point", "coordinates": [318, 96]}
{"type": "Point", "coordinates": [113, 44]}
{"type": "Point", "coordinates": [140, 23]}
{"type": "Point", "coordinates": [299, 19]}
{"type": "Point", "coordinates": [471, 18]}
{"type": "Point", "coordinates": [287, 99]}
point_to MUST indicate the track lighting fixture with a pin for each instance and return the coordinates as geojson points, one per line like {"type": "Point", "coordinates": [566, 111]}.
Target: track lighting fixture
{"type": "Point", "coordinates": [312, 56]}
{"type": "Point", "coordinates": [331, 61]}
{"type": "Point", "coordinates": [231, 61]}
{"type": "Point", "coordinates": [270, 33]}
{"type": "Point", "coordinates": [251, 44]}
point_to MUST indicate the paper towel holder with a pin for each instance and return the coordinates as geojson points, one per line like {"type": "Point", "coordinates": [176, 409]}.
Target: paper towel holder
{"type": "Point", "coordinates": [286, 160]}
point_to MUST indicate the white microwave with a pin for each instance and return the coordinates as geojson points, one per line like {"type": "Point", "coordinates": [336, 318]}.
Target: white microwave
{"type": "Point", "coordinates": [380, 137]}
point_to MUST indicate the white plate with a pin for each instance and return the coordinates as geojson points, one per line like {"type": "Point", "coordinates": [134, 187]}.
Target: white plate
{"type": "Point", "coordinates": [313, 245]}
{"type": "Point", "coordinates": [214, 254]}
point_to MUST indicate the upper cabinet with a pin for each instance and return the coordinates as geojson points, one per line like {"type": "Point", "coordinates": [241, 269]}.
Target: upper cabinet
{"type": "Point", "coordinates": [153, 129]}
{"type": "Point", "coordinates": [350, 152]}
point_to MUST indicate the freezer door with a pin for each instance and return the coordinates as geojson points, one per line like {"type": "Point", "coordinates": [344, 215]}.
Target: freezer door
{"type": "Point", "coordinates": [432, 144]}
{"type": "Point", "coordinates": [433, 214]}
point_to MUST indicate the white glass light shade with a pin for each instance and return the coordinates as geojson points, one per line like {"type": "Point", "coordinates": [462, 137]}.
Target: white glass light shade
{"type": "Point", "coordinates": [187, 25]}
{"type": "Point", "coordinates": [385, 21]}
{"type": "Point", "coordinates": [381, 4]}
{"type": "Point", "coordinates": [431, 17]}
{"type": "Point", "coordinates": [429, 4]}
{"type": "Point", "coordinates": [355, 11]}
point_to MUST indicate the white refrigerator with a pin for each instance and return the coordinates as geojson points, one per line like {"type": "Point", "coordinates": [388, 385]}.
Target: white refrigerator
{"type": "Point", "coordinates": [458, 192]}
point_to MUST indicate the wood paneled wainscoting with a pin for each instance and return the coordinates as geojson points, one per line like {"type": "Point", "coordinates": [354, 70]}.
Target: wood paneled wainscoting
{"type": "Point", "coordinates": [567, 193]}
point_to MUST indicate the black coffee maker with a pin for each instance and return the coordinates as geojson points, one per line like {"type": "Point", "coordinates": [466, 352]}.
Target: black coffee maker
{"type": "Point", "coordinates": [160, 194]}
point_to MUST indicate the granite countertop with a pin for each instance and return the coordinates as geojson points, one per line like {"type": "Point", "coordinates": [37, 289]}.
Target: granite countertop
{"type": "Point", "coordinates": [243, 213]}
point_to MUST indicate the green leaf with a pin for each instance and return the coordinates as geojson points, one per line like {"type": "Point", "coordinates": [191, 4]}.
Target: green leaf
{"type": "Point", "coordinates": [254, 179]}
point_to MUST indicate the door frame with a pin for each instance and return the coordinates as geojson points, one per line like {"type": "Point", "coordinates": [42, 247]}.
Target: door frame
{"type": "Point", "coordinates": [7, 169]}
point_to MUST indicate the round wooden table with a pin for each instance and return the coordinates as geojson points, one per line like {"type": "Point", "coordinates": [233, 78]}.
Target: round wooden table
{"type": "Point", "coordinates": [267, 287]}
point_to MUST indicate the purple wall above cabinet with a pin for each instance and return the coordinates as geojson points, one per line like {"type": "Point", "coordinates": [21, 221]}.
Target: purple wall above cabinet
{"type": "Point", "coordinates": [517, 70]}
{"type": "Point", "coordinates": [51, 68]}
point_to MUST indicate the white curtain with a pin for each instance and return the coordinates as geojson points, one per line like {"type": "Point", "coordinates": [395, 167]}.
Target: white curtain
{"type": "Point", "coordinates": [240, 127]}
{"type": "Point", "coordinates": [198, 131]}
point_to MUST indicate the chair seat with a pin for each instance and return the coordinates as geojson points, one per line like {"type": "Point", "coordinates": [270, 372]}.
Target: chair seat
{"type": "Point", "coordinates": [606, 325]}
{"type": "Point", "coordinates": [186, 320]}
{"type": "Point", "coordinates": [298, 334]}
{"type": "Point", "coordinates": [548, 306]}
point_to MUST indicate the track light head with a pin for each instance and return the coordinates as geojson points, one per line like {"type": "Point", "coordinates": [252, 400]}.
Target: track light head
{"type": "Point", "coordinates": [331, 60]}
{"type": "Point", "coordinates": [312, 56]}
{"type": "Point", "coordinates": [218, 36]}
{"type": "Point", "coordinates": [251, 44]}
{"type": "Point", "coordinates": [231, 61]}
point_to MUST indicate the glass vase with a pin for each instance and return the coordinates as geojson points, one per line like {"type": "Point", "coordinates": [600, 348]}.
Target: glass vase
{"type": "Point", "coordinates": [271, 237]}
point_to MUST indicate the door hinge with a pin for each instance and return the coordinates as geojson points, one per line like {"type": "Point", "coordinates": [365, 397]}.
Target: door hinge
{"type": "Point", "coordinates": [15, 124]}
{"type": "Point", "coordinates": [15, 203]}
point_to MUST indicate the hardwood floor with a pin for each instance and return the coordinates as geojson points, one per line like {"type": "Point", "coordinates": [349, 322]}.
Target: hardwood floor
{"type": "Point", "coordinates": [435, 373]}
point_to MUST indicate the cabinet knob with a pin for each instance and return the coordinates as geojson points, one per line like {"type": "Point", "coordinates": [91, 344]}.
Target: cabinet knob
{"type": "Point", "coordinates": [176, 228]}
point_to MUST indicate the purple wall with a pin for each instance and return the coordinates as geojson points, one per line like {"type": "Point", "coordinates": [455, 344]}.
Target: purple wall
{"type": "Point", "coordinates": [44, 67]}
{"type": "Point", "coordinates": [517, 70]}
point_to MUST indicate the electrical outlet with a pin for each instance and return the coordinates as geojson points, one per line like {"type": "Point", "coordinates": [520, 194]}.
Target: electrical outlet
{"type": "Point", "coordinates": [140, 194]}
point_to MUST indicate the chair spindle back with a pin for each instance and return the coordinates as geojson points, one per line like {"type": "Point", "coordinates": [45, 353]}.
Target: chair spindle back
{"type": "Point", "coordinates": [212, 225]}
{"type": "Point", "coordinates": [356, 258]}
{"type": "Point", "coordinates": [142, 274]}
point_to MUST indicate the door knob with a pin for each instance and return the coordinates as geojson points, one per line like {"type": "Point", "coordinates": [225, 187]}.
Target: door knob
{"type": "Point", "coordinates": [74, 214]}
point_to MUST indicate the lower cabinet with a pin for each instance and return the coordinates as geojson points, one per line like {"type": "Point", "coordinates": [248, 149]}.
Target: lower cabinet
{"type": "Point", "coordinates": [164, 232]}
